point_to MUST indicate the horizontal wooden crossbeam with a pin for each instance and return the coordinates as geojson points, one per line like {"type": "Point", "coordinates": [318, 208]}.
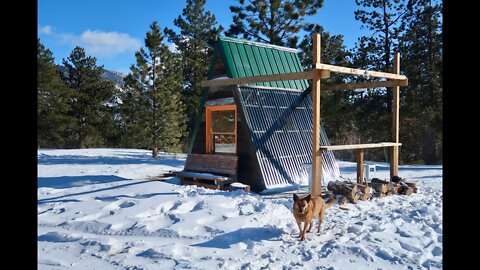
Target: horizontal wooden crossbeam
{"type": "Point", "coordinates": [359, 146]}
{"type": "Point", "coordinates": [264, 78]}
{"type": "Point", "coordinates": [325, 70]}
{"type": "Point", "coordinates": [303, 76]}
{"type": "Point", "coordinates": [349, 86]}
{"type": "Point", "coordinates": [355, 71]}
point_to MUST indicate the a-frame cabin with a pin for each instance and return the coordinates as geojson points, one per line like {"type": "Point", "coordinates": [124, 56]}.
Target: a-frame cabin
{"type": "Point", "coordinates": [268, 125]}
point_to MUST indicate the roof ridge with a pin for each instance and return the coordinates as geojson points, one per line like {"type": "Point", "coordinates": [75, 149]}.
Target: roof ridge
{"type": "Point", "coordinates": [255, 43]}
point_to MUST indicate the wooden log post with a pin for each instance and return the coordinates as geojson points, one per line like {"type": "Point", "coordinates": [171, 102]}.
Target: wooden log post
{"type": "Point", "coordinates": [395, 120]}
{"type": "Point", "coordinates": [316, 151]}
{"type": "Point", "coordinates": [360, 155]}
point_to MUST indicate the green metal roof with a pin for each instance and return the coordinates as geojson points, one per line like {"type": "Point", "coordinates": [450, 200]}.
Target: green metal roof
{"type": "Point", "coordinates": [244, 58]}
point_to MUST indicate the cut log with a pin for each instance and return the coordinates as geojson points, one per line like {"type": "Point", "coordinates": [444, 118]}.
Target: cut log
{"type": "Point", "coordinates": [404, 185]}
{"type": "Point", "coordinates": [381, 185]}
{"type": "Point", "coordinates": [377, 180]}
{"type": "Point", "coordinates": [353, 198]}
{"type": "Point", "coordinates": [396, 179]}
{"type": "Point", "coordinates": [349, 183]}
{"type": "Point", "coordinates": [389, 193]}
{"type": "Point", "coordinates": [352, 185]}
{"type": "Point", "coordinates": [390, 187]}
{"type": "Point", "coordinates": [339, 187]}
{"type": "Point", "coordinates": [341, 199]}
{"type": "Point", "coordinates": [412, 185]}
{"type": "Point", "coordinates": [405, 189]}
{"type": "Point", "coordinates": [364, 188]}
{"type": "Point", "coordinates": [408, 191]}
{"type": "Point", "coordinates": [377, 194]}
{"type": "Point", "coordinates": [364, 197]}
{"type": "Point", "coordinates": [396, 188]}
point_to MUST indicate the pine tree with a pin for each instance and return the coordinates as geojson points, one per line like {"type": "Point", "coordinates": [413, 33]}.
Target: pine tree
{"type": "Point", "coordinates": [154, 86]}
{"type": "Point", "coordinates": [52, 101]}
{"type": "Point", "coordinates": [384, 19]}
{"type": "Point", "coordinates": [373, 107]}
{"type": "Point", "coordinates": [195, 45]}
{"type": "Point", "coordinates": [333, 50]}
{"type": "Point", "coordinates": [91, 102]}
{"type": "Point", "coordinates": [421, 47]}
{"type": "Point", "coordinates": [275, 21]}
{"type": "Point", "coordinates": [335, 104]}
{"type": "Point", "coordinates": [134, 110]}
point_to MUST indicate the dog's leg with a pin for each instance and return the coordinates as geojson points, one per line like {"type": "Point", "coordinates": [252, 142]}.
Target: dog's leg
{"type": "Point", "coordinates": [320, 219]}
{"type": "Point", "coordinates": [307, 223]}
{"type": "Point", "coordinates": [299, 228]}
{"type": "Point", "coordinates": [310, 227]}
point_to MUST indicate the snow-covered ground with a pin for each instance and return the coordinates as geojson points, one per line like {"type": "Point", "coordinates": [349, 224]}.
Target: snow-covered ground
{"type": "Point", "coordinates": [98, 210]}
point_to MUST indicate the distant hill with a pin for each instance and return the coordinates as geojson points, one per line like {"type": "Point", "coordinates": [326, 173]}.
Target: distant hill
{"type": "Point", "coordinates": [114, 76]}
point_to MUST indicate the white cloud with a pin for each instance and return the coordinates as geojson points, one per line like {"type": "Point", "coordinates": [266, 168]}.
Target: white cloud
{"type": "Point", "coordinates": [108, 43]}
{"type": "Point", "coordinates": [103, 44]}
{"type": "Point", "coordinates": [47, 30]}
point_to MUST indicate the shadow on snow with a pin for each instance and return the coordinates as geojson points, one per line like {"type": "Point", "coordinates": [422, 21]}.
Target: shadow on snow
{"type": "Point", "coordinates": [77, 181]}
{"type": "Point", "coordinates": [123, 159]}
{"type": "Point", "coordinates": [247, 235]}
{"type": "Point", "coordinates": [55, 199]}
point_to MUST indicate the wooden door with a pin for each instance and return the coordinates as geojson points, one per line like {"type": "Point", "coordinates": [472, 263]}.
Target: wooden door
{"type": "Point", "coordinates": [221, 129]}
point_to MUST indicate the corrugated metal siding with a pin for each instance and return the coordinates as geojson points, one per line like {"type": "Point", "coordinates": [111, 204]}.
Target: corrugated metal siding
{"type": "Point", "coordinates": [244, 58]}
{"type": "Point", "coordinates": [280, 127]}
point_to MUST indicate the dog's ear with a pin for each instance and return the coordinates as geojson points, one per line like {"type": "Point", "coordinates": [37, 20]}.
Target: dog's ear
{"type": "Point", "coordinates": [295, 197]}
{"type": "Point", "coordinates": [308, 198]}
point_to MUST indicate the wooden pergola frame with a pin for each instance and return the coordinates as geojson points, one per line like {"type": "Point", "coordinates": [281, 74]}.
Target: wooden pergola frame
{"type": "Point", "coordinates": [318, 72]}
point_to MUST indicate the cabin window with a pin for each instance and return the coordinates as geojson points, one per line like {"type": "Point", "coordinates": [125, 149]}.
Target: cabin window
{"type": "Point", "coordinates": [221, 129]}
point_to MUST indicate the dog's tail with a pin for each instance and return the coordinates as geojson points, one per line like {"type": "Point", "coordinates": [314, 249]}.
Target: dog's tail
{"type": "Point", "coordinates": [329, 202]}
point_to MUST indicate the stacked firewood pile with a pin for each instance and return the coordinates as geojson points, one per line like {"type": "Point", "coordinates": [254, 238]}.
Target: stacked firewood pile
{"type": "Point", "coordinates": [352, 192]}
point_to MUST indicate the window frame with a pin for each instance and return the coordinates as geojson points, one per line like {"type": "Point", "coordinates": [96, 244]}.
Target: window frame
{"type": "Point", "coordinates": [210, 144]}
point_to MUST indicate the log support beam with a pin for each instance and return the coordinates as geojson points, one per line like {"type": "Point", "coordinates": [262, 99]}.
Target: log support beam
{"type": "Point", "coordinates": [316, 151]}
{"type": "Point", "coordinates": [395, 121]}
{"type": "Point", "coordinates": [360, 156]}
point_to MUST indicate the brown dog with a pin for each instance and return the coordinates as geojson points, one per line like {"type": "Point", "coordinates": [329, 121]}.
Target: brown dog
{"type": "Point", "coordinates": [305, 209]}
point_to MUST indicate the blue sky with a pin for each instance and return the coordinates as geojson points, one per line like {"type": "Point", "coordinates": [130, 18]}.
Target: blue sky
{"type": "Point", "coordinates": [112, 30]}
